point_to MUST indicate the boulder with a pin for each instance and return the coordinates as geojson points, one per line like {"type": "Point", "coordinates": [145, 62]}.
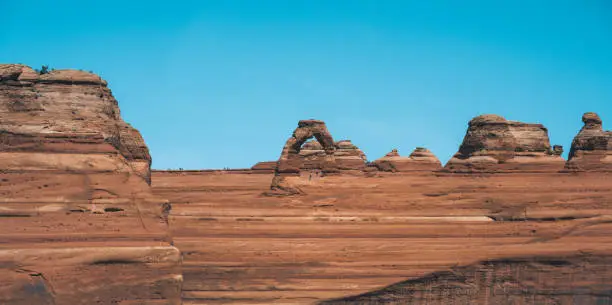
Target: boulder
{"type": "Point", "coordinates": [494, 144]}
{"type": "Point", "coordinates": [592, 147]}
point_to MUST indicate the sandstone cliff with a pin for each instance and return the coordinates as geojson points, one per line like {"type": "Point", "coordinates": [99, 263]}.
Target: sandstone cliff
{"type": "Point", "coordinates": [493, 144]}
{"type": "Point", "coordinates": [592, 147]}
{"type": "Point", "coordinates": [421, 159]}
{"type": "Point", "coordinates": [80, 224]}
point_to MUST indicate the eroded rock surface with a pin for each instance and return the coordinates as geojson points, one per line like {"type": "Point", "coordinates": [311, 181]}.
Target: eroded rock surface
{"type": "Point", "coordinates": [80, 224]}
{"type": "Point", "coordinates": [291, 161]}
{"type": "Point", "coordinates": [580, 279]}
{"type": "Point", "coordinates": [592, 148]}
{"type": "Point", "coordinates": [528, 233]}
{"type": "Point", "coordinates": [346, 155]}
{"type": "Point", "coordinates": [421, 159]}
{"type": "Point", "coordinates": [494, 144]}
{"type": "Point", "coordinates": [312, 156]}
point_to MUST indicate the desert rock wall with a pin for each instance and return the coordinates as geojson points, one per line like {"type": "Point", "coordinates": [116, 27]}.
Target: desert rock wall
{"type": "Point", "coordinates": [423, 236]}
{"type": "Point", "coordinates": [80, 224]}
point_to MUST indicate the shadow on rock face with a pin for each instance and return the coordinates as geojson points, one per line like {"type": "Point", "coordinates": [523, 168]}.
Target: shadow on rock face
{"type": "Point", "coordinates": [27, 288]}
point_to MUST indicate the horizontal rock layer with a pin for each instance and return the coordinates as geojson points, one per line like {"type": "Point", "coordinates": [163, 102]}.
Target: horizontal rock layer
{"type": "Point", "coordinates": [592, 147]}
{"type": "Point", "coordinates": [80, 224]}
{"type": "Point", "coordinates": [494, 144]}
{"type": "Point", "coordinates": [488, 239]}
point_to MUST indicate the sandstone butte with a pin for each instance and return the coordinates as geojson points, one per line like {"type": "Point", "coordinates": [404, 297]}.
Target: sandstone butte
{"type": "Point", "coordinates": [80, 224]}
{"type": "Point", "coordinates": [505, 221]}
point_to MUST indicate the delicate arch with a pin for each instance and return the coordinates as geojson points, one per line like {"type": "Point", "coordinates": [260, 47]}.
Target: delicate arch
{"type": "Point", "coordinates": [290, 161]}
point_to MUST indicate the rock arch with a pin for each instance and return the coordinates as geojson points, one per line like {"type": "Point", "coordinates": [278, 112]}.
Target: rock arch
{"type": "Point", "coordinates": [290, 161]}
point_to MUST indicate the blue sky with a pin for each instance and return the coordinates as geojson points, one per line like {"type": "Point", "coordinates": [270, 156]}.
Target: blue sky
{"type": "Point", "coordinates": [213, 84]}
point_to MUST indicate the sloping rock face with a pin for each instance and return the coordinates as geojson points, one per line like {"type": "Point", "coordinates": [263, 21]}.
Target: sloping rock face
{"type": "Point", "coordinates": [592, 147]}
{"type": "Point", "coordinates": [569, 280]}
{"type": "Point", "coordinates": [80, 224]}
{"type": "Point", "coordinates": [494, 144]}
{"type": "Point", "coordinates": [264, 166]}
{"type": "Point", "coordinates": [421, 159]}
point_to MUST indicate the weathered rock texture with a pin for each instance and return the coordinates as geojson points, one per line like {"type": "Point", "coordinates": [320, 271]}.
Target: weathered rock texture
{"type": "Point", "coordinates": [291, 161]}
{"type": "Point", "coordinates": [580, 279]}
{"type": "Point", "coordinates": [79, 222]}
{"type": "Point", "coordinates": [592, 147]}
{"type": "Point", "coordinates": [493, 144]}
{"type": "Point", "coordinates": [421, 159]}
{"type": "Point", "coordinates": [312, 156]}
{"type": "Point", "coordinates": [346, 155]}
{"type": "Point", "coordinates": [540, 238]}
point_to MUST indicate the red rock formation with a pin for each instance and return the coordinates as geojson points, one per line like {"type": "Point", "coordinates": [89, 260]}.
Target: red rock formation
{"type": "Point", "coordinates": [579, 279]}
{"type": "Point", "coordinates": [482, 239]}
{"type": "Point", "coordinates": [592, 147]}
{"type": "Point", "coordinates": [421, 159]}
{"type": "Point", "coordinates": [80, 224]}
{"type": "Point", "coordinates": [312, 156]}
{"type": "Point", "coordinates": [349, 156]}
{"type": "Point", "coordinates": [493, 144]}
{"type": "Point", "coordinates": [290, 160]}
{"type": "Point", "coordinates": [264, 166]}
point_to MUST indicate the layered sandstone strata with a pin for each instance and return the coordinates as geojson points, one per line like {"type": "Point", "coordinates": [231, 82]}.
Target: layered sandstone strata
{"type": "Point", "coordinates": [347, 156]}
{"type": "Point", "coordinates": [592, 147]}
{"type": "Point", "coordinates": [525, 238]}
{"type": "Point", "coordinates": [494, 144]}
{"type": "Point", "coordinates": [80, 224]}
{"type": "Point", "coordinates": [421, 159]}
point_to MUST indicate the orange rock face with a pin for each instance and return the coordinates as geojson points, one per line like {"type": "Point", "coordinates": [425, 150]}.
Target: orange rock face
{"type": "Point", "coordinates": [80, 224]}
{"type": "Point", "coordinates": [86, 222]}
{"type": "Point", "coordinates": [592, 147]}
{"type": "Point", "coordinates": [402, 238]}
{"type": "Point", "coordinates": [421, 159]}
{"type": "Point", "coordinates": [494, 144]}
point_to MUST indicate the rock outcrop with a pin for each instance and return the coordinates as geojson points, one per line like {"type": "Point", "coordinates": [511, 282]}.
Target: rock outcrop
{"type": "Point", "coordinates": [264, 166]}
{"type": "Point", "coordinates": [494, 144]}
{"type": "Point", "coordinates": [346, 155]}
{"type": "Point", "coordinates": [79, 220]}
{"type": "Point", "coordinates": [524, 238]}
{"type": "Point", "coordinates": [66, 111]}
{"type": "Point", "coordinates": [291, 161]}
{"type": "Point", "coordinates": [421, 159]}
{"type": "Point", "coordinates": [312, 156]}
{"type": "Point", "coordinates": [592, 148]}
{"type": "Point", "coordinates": [569, 280]}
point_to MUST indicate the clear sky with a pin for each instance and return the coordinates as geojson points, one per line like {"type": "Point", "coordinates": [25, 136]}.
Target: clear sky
{"type": "Point", "coordinates": [213, 84]}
